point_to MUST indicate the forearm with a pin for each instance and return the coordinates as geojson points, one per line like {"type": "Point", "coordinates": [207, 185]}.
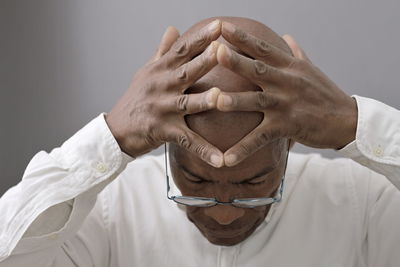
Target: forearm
{"type": "Point", "coordinates": [57, 188]}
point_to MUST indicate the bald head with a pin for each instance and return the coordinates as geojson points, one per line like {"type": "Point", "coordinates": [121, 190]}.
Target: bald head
{"type": "Point", "coordinates": [220, 223]}
{"type": "Point", "coordinates": [224, 129]}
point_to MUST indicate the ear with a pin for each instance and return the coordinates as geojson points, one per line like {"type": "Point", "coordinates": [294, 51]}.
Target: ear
{"type": "Point", "coordinates": [297, 51]}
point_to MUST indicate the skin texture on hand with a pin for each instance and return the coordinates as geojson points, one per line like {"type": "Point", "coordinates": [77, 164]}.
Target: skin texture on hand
{"type": "Point", "coordinates": [153, 108]}
{"type": "Point", "coordinates": [298, 100]}
{"type": "Point", "coordinates": [274, 96]}
{"type": "Point", "coordinates": [228, 127]}
{"type": "Point", "coordinates": [226, 225]}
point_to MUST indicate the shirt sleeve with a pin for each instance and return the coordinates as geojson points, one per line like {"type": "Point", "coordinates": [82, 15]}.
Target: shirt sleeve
{"type": "Point", "coordinates": [377, 143]}
{"type": "Point", "coordinates": [40, 217]}
{"type": "Point", "coordinates": [377, 146]}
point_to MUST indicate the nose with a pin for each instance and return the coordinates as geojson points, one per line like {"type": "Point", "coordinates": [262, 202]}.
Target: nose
{"type": "Point", "coordinates": [224, 214]}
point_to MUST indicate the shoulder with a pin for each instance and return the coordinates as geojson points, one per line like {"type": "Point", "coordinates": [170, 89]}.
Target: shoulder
{"type": "Point", "coordinates": [142, 180]}
{"type": "Point", "coordinates": [313, 168]}
{"type": "Point", "coordinates": [339, 181]}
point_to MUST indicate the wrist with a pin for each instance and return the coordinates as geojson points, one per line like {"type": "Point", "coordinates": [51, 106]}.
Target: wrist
{"type": "Point", "coordinates": [115, 129]}
{"type": "Point", "coordinates": [132, 143]}
{"type": "Point", "coordinates": [350, 126]}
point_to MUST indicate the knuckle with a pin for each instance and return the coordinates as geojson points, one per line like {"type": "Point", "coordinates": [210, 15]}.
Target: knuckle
{"type": "Point", "coordinates": [240, 35]}
{"type": "Point", "coordinates": [204, 104]}
{"type": "Point", "coordinates": [262, 100]}
{"type": "Point", "coordinates": [201, 150]}
{"type": "Point", "coordinates": [183, 141]}
{"type": "Point", "coordinates": [182, 74]}
{"type": "Point", "coordinates": [266, 101]}
{"type": "Point", "coordinates": [182, 103]}
{"type": "Point", "coordinates": [181, 48]}
{"type": "Point", "coordinates": [263, 48]}
{"type": "Point", "coordinates": [260, 68]}
{"type": "Point", "coordinates": [199, 40]}
{"type": "Point", "coordinates": [244, 150]}
{"type": "Point", "coordinates": [263, 138]}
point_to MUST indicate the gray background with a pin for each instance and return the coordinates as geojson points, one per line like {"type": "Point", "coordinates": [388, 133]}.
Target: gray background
{"type": "Point", "coordinates": [63, 62]}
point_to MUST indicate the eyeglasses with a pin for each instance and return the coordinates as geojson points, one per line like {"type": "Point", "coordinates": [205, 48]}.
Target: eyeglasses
{"type": "Point", "coordinates": [240, 203]}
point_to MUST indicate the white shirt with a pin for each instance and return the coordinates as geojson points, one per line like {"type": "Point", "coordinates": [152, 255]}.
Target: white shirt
{"type": "Point", "coordinates": [84, 205]}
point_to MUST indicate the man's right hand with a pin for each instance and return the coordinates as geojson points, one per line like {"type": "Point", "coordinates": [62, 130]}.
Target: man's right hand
{"type": "Point", "coordinates": [152, 110]}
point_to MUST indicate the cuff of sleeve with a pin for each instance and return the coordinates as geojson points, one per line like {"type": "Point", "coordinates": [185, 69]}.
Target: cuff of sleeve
{"type": "Point", "coordinates": [350, 150]}
{"type": "Point", "coordinates": [378, 133]}
{"type": "Point", "coordinates": [80, 169]}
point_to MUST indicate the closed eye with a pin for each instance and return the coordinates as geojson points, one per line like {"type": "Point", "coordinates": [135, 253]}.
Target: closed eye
{"type": "Point", "coordinates": [255, 181]}
{"type": "Point", "coordinates": [197, 181]}
{"type": "Point", "coordinates": [193, 179]}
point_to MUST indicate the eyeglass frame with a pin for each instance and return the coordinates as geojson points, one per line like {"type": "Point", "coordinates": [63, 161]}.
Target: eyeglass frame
{"type": "Point", "coordinates": [270, 200]}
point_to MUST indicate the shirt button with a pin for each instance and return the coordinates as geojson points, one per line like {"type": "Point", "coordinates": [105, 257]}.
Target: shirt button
{"type": "Point", "coordinates": [378, 151]}
{"type": "Point", "coordinates": [101, 167]}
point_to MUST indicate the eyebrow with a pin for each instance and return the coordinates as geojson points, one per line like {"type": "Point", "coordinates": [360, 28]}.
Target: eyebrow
{"type": "Point", "coordinates": [260, 174]}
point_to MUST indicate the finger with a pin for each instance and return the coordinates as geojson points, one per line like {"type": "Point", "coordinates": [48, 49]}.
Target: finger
{"type": "Point", "coordinates": [169, 37]}
{"type": "Point", "coordinates": [254, 70]}
{"type": "Point", "coordinates": [246, 101]}
{"type": "Point", "coordinates": [297, 51]}
{"type": "Point", "coordinates": [194, 143]}
{"type": "Point", "coordinates": [192, 103]}
{"type": "Point", "coordinates": [255, 47]}
{"type": "Point", "coordinates": [190, 72]}
{"type": "Point", "coordinates": [251, 143]}
{"type": "Point", "coordinates": [192, 44]}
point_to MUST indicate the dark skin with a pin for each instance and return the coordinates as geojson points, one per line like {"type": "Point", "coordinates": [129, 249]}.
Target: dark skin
{"type": "Point", "coordinates": [229, 141]}
{"type": "Point", "coordinates": [257, 176]}
{"type": "Point", "coordinates": [152, 110]}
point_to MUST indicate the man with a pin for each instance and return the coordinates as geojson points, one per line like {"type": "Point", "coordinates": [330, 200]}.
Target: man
{"type": "Point", "coordinates": [231, 110]}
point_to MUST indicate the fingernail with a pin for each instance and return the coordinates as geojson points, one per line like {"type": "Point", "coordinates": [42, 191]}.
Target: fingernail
{"type": "Point", "coordinates": [230, 159]}
{"type": "Point", "coordinates": [229, 27]}
{"type": "Point", "coordinates": [213, 26]}
{"type": "Point", "coordinates": [216, 160]}
{"type": "Point", "coordinates": [226, 100]}
{"type": "Point", "coordinates": [212, 96]}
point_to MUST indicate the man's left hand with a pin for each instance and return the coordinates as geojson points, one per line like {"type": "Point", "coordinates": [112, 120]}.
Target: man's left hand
{"type": "Point", "coordinates": [298, 100]}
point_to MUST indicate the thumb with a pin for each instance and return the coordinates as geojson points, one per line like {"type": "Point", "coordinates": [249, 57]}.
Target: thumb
{"type": "Point", "coordinates": [297, 51]}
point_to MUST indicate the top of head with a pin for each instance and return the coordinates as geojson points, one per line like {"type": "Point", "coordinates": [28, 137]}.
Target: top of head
{"type": "Point", "coordinates": [224, 129]}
